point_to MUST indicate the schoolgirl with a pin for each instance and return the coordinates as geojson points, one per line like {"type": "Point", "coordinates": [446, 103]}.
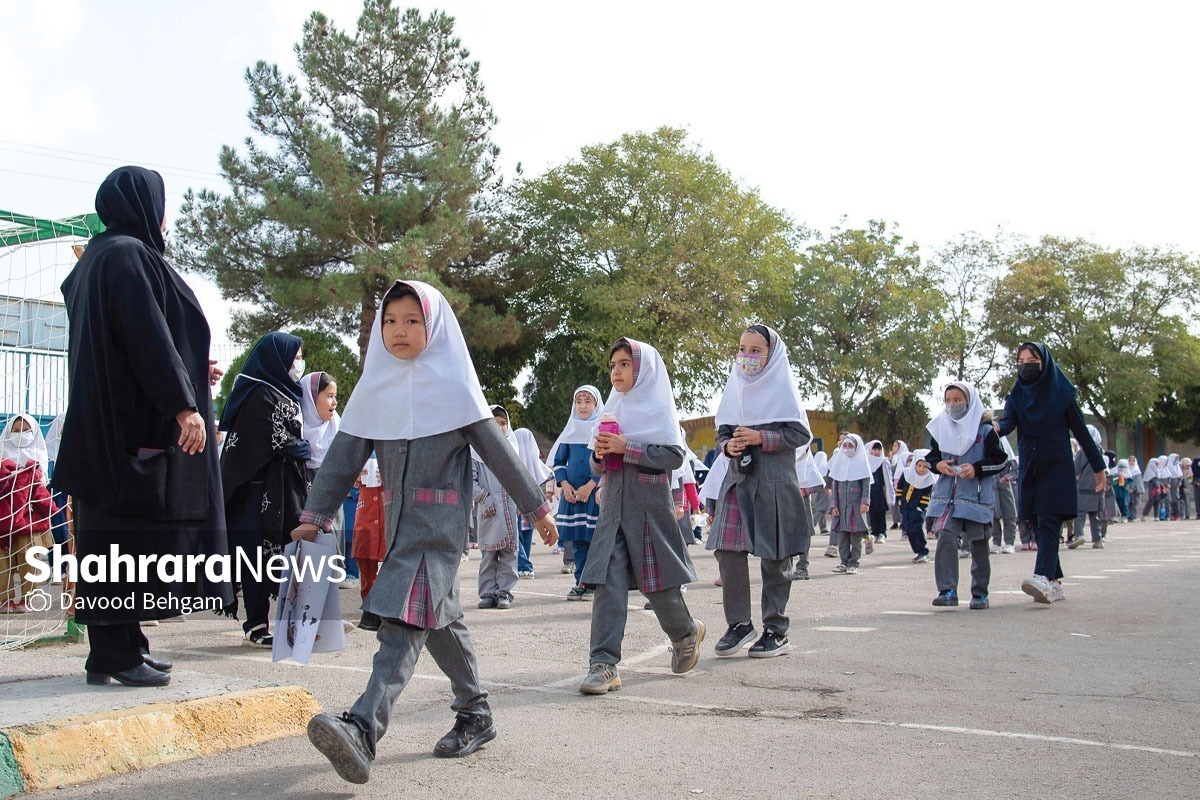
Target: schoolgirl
{"type": "Point", "coordinates": [419, 406]}
{"type": "Point", "coordinates": [637, 540]}
{"type": "Point", "coordinates": [912, 497]}
{"type": "Point", "coordinates": [812, 488]}
{"type": "Point", "coordinates": [761, 423]}
{"type": "Point", "coordinates": [571, 460]}
{"type": "Point", "coordinates": [883, 490]}
{"type": "Point", "coordinates": [850, 472]}
{"type": "Point", "coordinates": [527, 449]}
{"type": "Point", "coordinates": [497, 526]}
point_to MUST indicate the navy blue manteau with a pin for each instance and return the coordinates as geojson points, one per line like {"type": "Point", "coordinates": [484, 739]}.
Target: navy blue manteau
{"type": "Point", "coordinates": [1044, 414]}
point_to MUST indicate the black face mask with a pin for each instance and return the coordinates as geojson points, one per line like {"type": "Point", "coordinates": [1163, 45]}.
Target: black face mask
{"type": "Point", "coordinates": [1029, 372]}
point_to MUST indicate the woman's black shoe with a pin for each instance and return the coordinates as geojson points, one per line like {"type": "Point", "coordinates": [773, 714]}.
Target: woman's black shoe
{"type": "Point", "coordinates": [160, 665]}
{"type": "Point", "coordinates": [141, 675]}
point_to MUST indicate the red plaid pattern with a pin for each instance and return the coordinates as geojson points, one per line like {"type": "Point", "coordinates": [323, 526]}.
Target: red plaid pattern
{"type": "Point", "coordinates": [771, 441]}
{"type": "Point", "coordinates": [439, 497]}
{"type": "Point", "coordinates": [418, 611]}
{"type": "Point", "coordinates": [651, 576]}
{"type": "Point", "coordinates": [634, 452]}
{"type": "Point", "coordinates": [727, 524]}
{"type": "Point", "coordinates": [541, 511]}
{"type": "Point", "coordinates": [320, 520]}
{"type": "Point", "coordinates": [652, 477]}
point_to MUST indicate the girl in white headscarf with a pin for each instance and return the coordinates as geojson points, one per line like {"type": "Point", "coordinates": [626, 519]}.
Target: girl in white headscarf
{"type": "Point", "coordinates": [25, 504]}
{"type": "Point", "coordinates": [850, 501]}
{"type": "Point", "coordinates": [578, 506]}
{"type": "Point", "coordinates": [1174, 484]}
{"type": "Point", "coordinates": [900, 455]}
{"type": "Point", "coordinates": [496, 527]}
{"type": "Point", "coordinates": [319, 425]}
{"type": "Point", "coordinates": [637, 541]}
{"type": "Point", "coordinates": [883, 490]}
{"type": "Point", "coordinates": [1137, 490]}
{"type": "Point", "coordinates": [1155, 484]}
{"type": "Point", "coordinates": [528, 450]}
{"type": "Point", "coordinates": [1091, 502]}
{"type": "Point", "coordinates": [819, 500]}
{"type": "Point", "coordinates": [761, 423]}
{"type": "Point", "coordinates": [912, 497]}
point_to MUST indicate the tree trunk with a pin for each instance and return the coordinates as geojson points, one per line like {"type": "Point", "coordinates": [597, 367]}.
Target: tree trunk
{"type": "Point", "coordinates": [365, 320]}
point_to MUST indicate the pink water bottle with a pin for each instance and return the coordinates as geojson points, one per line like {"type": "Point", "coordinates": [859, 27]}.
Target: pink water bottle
{"type": "Point", "coordinates": [608, 424]}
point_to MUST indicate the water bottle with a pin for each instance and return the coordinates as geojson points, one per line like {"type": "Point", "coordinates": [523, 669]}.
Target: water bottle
{"type": "Point", "coordinates": [608, 424]}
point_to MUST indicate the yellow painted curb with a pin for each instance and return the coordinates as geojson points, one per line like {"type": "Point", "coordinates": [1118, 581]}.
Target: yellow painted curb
{"type": "Point", "coordinates": [79, 749]}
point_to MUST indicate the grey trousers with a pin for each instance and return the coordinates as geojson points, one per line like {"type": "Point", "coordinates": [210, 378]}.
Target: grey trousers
{"type": "Point", "coordinates": [945, 559]}
{"type": "Point", "coordinates": [735, 589]}
{"type": "Point", "coordinates": [392, 669]}
{"type": "Point", "coordinates": [850, 547]}
{"type": "Point", "coordinates": [1004, 528]}
{"type": "Point", "coordinates": [1093, 519]}
{"type": "Point", "coordinates": [610, 608]}
{"type": "Point", "coordinates": [497, 572]}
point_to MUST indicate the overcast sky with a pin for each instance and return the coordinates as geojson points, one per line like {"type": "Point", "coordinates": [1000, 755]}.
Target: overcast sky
{"type": "Point", "coordinates": [1077, 119]}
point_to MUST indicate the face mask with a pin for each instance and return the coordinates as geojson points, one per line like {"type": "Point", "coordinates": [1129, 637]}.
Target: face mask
{"type": "Point", "coordinates": [297, 370]}
{"type": "Point", "coordinates": [956, 410]}
{"type": "Point", "coordinates": [1029, 372]}
{"type": "Point", "coordinates": [749, 363]}
{"type": "Point", "coordinates": [848, 452]}
{"type": "Point", "coordinates": [23, 439]}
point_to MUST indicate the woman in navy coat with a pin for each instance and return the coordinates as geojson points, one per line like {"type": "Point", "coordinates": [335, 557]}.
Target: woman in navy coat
{"type": "Point", "coordinates": [1041, 407]}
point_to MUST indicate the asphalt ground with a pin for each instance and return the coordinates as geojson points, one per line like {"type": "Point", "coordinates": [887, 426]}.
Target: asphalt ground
{"type": "Point", "coordinates": [882, 695]}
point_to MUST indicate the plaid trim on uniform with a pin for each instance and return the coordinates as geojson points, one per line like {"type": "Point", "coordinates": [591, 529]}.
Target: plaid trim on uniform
{"type": "Point", "coordinates": [439, 497]}
{"type": "Point", "coordinates": [539, 512]}
{"type": "Point", "coordinates": [651, 576]}
{"type": "Point", "coordinates": [772, 440]}
{"type": "Point", "coordinates": [727, 525]}
{"type": "Point", "coordinates": [634, 451]}
{"type": "Point", "coordinates": [652, 477]}
{"type": "Point", "coordinates": [320, 520]}
{"type": "Point", "coordinates": [418, 611]}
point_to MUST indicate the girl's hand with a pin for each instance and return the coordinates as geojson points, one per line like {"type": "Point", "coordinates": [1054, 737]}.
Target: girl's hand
{"type": "Point", "coordinates": [966, 471]}
{"type": "Point", "coordinates": [734, 448]}
{"type": "Point", "coordinates": [610, 443]}
{"type": "Point", "coordinates": [946, 468]}
{"type": "Point", "coordinates": [584, 492]}
{"type": "Point", "coordinates": [1100, 484]}
{"type": "Point", "coordinates": [836, 512]}
{"type": "Point", "coordinates": [306, 531]}
{"type": "Point", "coordinates": [547, 530]}
{"type": "Point", "coordinates": [568, 492]}
{"type": "Point", "coordinates": [678, 511]}
{"type": "Point", "coordinates": [746, 437]}
{"type": "Point", "coordinates": [709, 518]}
{"type": "Point", "coordinates": [865, 508]}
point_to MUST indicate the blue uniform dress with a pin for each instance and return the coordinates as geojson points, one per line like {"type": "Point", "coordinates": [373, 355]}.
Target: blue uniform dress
{"type": "Point", "coordinates": [576, 521]}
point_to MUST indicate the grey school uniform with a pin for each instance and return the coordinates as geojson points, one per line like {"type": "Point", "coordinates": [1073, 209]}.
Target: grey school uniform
{"type": "Point", "coordinates": [1091, 502]}
{"type": "Point", "coordinates": [427, 501]}
{"type": "Point", "coordinates": [1004, 528]}
{"type": "Point", "coordinates": [848, 524]}
{"type": "Point", "coordinates": [637, 543]}
{"type": "Point", "coordinates": [775, 523]}
{"type": "Point", "coordinates": [496, 521]}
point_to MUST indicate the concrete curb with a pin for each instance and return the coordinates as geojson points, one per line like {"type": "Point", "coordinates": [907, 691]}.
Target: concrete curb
{"type": "Point", "coordinates": [45, 755]}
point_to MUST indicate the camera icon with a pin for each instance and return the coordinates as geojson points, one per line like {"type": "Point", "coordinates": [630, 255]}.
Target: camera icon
{"type": "Point", "coordinates": [39, 600]}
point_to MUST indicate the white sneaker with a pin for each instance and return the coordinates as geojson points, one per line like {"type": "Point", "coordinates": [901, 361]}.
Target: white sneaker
{"type": "Point", "coordinates": [1038, 588]}
{"type": "Point", "coordinates": [994, 549]}
{"type": "Point", "coordinates": [351, 583]}
{"type": "Point", "coordinates": [1056, 592]}
{"type": "Point", "coordinates": [1008, 548]}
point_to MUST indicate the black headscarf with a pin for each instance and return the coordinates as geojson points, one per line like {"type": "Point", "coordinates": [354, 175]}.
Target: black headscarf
{"type": "Point", "coordinates": [132, 201]}
{"type": "Point", "coordinates": [1041, 403]}
{"type": "Point", "coordinates": [269, 362]}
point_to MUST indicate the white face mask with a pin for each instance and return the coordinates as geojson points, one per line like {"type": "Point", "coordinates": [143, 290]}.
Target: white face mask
{"type": "Point", "coordinates": [22, 439]}
{"type": "Point", "coordinates": [750, 363]}
{"type": "Point", "coordinates": [297, 370]}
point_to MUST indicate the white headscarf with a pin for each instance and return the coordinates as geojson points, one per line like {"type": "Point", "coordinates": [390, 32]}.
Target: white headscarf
{"type": "Point", "coordinates": [1097, 437]}
{"type": "Point", "coordinates": [319, 433]}
{"type": "Point", "coordinates": [900, 460]}
{"type": "Point", "coordinates": [1123, 468]}
{"type": "Point", "coordinates": [806, 469]}
{"type": "Point", "coordinates": [915, 478]}
{"type": "Point", "coordinates": [1134, 468]}
{"type": "Point", "coordinates": [646, 413]}
{"type": "Point", "coordinates": [436, 392]}
{"type": "Point", "coordinates": [874, 460]}
{"type": "Point", "coordinates": [1173, 468]}
{"type": "Point", "coordinates": [577, 430]}
{"type": "Point", "coordinates": [821, 461]}
{"type": "Point", "coordinates": [35, 451]}
{"type": "Point", "coordinates": [510, 436]}
{"type": "Point", "coordinates": [54, 437]}
{"type": "Point", "coordinates": [716, 476]}
{"type": "Point", "coordinates": [851, 469]}
{"type": "Point", "coordinates": [1151, 470]}
{"type": "Point", "coordinates": [955, 437]}
{"type": "Point", "coordinates": [769, 396]}
{"type": "Point", "coordinates": [527, 449]}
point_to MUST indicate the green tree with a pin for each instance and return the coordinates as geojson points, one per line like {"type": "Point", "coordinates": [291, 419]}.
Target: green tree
{"type": "Point", "coordinates": [323, 352]}
{"type": "Point", "coordinates": [865, 320]}
{"type": "Point", "coordinates": [651, 238]}
{"type": "Point", "coordinates": [1114, 320]}
{"type": "Point", "coordinates": [374, 163]}
{"type": "Point", "coordinates": [1177, 413]}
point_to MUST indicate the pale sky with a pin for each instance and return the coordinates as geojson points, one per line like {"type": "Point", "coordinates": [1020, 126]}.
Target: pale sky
{"type": "Point", "coordinates": [1077, 119]}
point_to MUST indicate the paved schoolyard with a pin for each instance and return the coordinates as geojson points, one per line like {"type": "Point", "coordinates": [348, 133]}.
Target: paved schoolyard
{"type": "Point", "coordinates": [881, 696]}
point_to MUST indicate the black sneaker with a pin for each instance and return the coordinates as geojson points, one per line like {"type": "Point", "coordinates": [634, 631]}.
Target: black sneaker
{"type": "Point", "coordinates": [737, 637]}
{"type": "Point", "coordinates": [469, 733]}
{"type": "Point", "coordinates": [344, 744]}
{"type": "Point", "coordinates": [370, 622]}
{"type": "Point", "coordinates": [504, 601]}
{"type": "Point", "coordinates": [800, 574]}
{"type": "Point", "coordinates": [769, 645]}
{"type": "Point", "coordinates": [946, 598]}
{"type": "Point", "coordinates": [978, 602]}
{"type": "Point", "coordinates": [487, 601]}
{"type": "Point", "coordinates": [576, 593]}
